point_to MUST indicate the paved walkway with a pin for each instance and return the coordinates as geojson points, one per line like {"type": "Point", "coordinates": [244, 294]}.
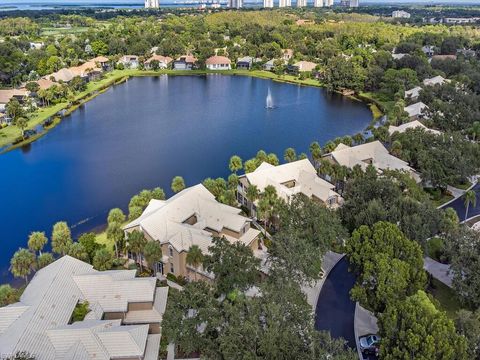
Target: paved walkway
{"type": "Point", "coordinates": [438, 270]}
{"type": "Point", "coordinates": [330, 259]}
{"type": "Point", "coordinates": [365, 323]}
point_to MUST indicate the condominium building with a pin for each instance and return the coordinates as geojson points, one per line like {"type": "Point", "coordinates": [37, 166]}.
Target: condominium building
{"type": "Point", "coordinates": [288, 180]}
{"type": "Point", "coordinates": [192, 217]}
{"type": "Point", "coordinates": [122, 322]}
{"type": "Point", "coordinates": [285, 3]}
{"type": "Point", "coordinates": [235, 4]}
{"type": "Point", "coordinates": [301, 3]}
{"type": "Point", "coordinates": [318, 3]}
{"type": "Point", "coordinates": [152, 4]}
{"type": "Point", "coordinates": [328, 3]}
{"type": "Point", "coordinates": [268, 3]}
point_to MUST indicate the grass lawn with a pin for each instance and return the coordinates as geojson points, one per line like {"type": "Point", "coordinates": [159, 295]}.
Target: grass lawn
{"type": "Point", "coordinates": [437, 196]}
{"type": "Point", "coordinates": [463, 186]}
{"type": "Point", "coordinates": [102, 240]}
{"type": "Point", "coordinates": [447, 297]}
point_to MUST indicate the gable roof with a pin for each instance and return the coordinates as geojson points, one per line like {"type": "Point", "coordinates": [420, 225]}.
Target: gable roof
{"type": "Point", "coordinates": [163, 59]}
{"type": "Point", "coordinates": [410, 125]}
{"type": "Point", "coordinates": [6, 95]}
{"type": "Point", "coordinates": [415, 109]}
{"type": "Point", "coordinates": [437, 80]}
{"type": "Point", "coordinates": [217, 60]}
{"type": "Point", "coordinates": [413, 93]}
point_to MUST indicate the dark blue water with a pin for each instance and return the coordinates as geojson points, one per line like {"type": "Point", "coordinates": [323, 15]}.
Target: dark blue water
{"type": "Point", "coordinates": [143, 133]}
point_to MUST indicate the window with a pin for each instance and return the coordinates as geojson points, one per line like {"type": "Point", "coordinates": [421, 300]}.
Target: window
{"type": "Point", "coordinates": [172, 269]}
{"type": "Point", "coordinates": [170, 251]}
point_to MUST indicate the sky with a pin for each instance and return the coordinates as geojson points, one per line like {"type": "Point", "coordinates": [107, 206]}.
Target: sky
{"type": "Point", "coordinates": [136, 1]}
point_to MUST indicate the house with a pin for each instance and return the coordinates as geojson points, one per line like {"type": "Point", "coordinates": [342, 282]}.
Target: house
{"type": "Point", "coordinates": [7, 95]}
{"type": "Point", "coordinates": [192, 217]}
{"type": "Point", "coordinates": [288, 179]}
{"type": "Point", "coordinates": [305, 66]}
{"type": "Point", "coordinates": [63, 75]}
{"type": "Point", "coordinates": [186, 62]}
{"type": "Point", "coordinates": [45, 83]}
{"type": "Point", "coordinates": [36, 45]}
{"type": "Point", "coordinates": [437, 80]}
{"type": "Point", "coordinates": [410, 125]}
{"type": "Point", "coordinates": [400, 14]}
{"type": "Point", "coordinates": [102, 61]}
{"type": "Point", "coordinates": [416, 111]}
{"type": "Point", "coordinates": [245, 62]}
{"type": "Point", "coordinates": [129, 61]}
{"type": "Point", "coordinates": [163, 61]}
{"type": "Point", "coordinates": [287, 54]}
{"type": "Point", "coordinates": [123, 321]}
{"type": "Point", "coordinates": [398, 56]}
{"type": "Point", "coordinates": [443, 57]}
{"type": "Point", "coordinates": [413, 94]}
{"type": "Point", "coordinates": [372, 153]}
{"type": "Point", "coordinates": [217, 62]}
{"type": "Point", "coordinates": [270, 64]}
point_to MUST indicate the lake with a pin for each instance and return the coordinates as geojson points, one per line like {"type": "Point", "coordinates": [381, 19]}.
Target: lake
{"type": "Point", "coordinates": [142, 133]}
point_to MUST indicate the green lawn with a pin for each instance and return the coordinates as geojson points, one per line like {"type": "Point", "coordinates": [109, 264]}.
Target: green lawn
{"type": "Point", "coordinates": [447, 297]}
{"type": "Point", "coordinates": [102, 239]}
{"type": "Point", "coordinates": [463, 186]}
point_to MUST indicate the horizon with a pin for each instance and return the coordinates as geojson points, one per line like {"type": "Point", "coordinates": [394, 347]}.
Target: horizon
{"type": "Point", "coordinates": [366, 2]}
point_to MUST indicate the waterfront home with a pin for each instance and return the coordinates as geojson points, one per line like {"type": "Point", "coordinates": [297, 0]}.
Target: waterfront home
{"type": "Point", "coordinates": [163, 61]}
{"type": "Point", "coordinates": [191, 217]}
{"type": "Point", "coordinates": [416, 111]}
{"type": "Point", "coordinates": [270, 64]}
{"type": "Point", "coordinates": [288, 180]}
{"type": "Point", "coordinates": [437, 80]}
{"type": "Point", "coordinates": [129, 61]}
{"type": "Point", "coordinates": [287, 54]}
{"type": "Point", "coordinates": [103, 62]}
{"type": "Point", "coordinates": [245, 62]}
{"type": "Point", "coordinates": [305, 66]}
{"type": "Point", "coordinates": [186, 62]}
{"type": "Point", "coordinates": [410, 125]}
{"type": "Point", "coordinates": [218, 63]}
{"type": "Point", "coordinates": [413, 94]}
{"type": "Point", "coordinates": [122, 322]}
{"type": "Point", "coordinates": [45, 83]}
{"type": "Point", "coordinates": [372, 153]}
{"type": "Point", "coordinates": [7, 95]}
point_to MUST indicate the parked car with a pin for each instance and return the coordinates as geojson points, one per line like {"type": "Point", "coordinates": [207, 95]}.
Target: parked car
{"type": "Point", "coordinates": [369, 343]}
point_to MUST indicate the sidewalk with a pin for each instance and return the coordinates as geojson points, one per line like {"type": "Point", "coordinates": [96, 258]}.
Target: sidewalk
{"type": "Point", "coordinates": [365, 323]}
{"type": "Point", "coordinates": [330, 259]}
{"type": "Point", "coordinates": [438, 271]}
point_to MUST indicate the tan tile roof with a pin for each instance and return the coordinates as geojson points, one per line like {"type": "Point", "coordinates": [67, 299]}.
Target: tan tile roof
{"type": "Point", "coordinates": [217, 60]}
{"type": "Point", "coordinates": [6, 95]}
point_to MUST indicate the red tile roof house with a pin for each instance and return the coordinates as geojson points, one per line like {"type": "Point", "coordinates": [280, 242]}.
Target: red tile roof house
{"type": "Point", "coordinates": [163, 61]}
{"type": "Point", "coordinates": [218, 63]}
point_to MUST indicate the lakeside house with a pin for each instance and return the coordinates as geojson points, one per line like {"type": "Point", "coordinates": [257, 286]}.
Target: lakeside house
{"type": "Point", "coordinates": [104, 62]}
{"type": "Point", "coordinates": [217, 62]}
{"type": "Point", "coordinates": [437, 80]}
{"type": "Point", "coordinates": [129, 61]}
{"type": "Point", "coordinates": [410, 125]}
{"type": "Point", "coordinates": [245, 62]}
{"type": "Point", "coordinates": [163, 61]}
{"type": "Point", "coordinates": [123, 321]}
{"type": "Point", "coordinates": [192, 217]}
{"type": "Point", "coordinates": [372, 153]}
{"type": "Point", "coordinates": [186, 62]}
{"type": "Point", "coordinates": [7, 95]}
{"type": "Point", "coordinates": [287, 54]}
{"type": "Point", "coordinates": [413, 94]}
{"type": "Point", "coordinates": [416, 111]}
{"type": "Point", "coordinates": [305, 66]}
{"type": "Point", "coordinates": [288, 180]}
{"type": "Point", "coordinates": [270, 64]}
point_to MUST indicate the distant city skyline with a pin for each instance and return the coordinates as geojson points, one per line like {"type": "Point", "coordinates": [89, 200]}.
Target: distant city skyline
{"type": "Point", "coordinates": [390, 2]}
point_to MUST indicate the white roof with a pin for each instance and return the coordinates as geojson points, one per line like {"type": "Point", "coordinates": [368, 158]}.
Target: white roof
{"type": "Point", "coordinates": [413, 93]}
{"type": "Point", "coordinates": [410, 125]}
{"type": "Point", "coordinates": [39, 322]}
{"type": "Point", "coordinates": [437, 80]}
{"type": "Point", "coordinates": [165, 221]}
{"type": "Point", "coordinates": [415, 109]}
{"type": "Point", "coordinates": [398, 56]}
{"type": "Point", "coordinates": [373, 153]}
{"type": "Point", "coordinates": [301, 172]}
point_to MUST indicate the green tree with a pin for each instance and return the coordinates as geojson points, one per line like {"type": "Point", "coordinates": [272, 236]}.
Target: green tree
{"type": "Point", "coordinates": [44, 259]}
{"type": "Point", "coordinates": [234, 265]}
{"type": "Point", "coordinates": [61, 238]}
{"type": "Point", "coordinates": [99, 47]}
{"type": "Point", "coordinates": [470, 198]}
{"type": "Point", "coordinates": [316, 153]}
{"type": "Point", "coordinates": [14, 109]}
{"type": "Point", "coordinates": [103, 259]}
{"type": "Point", "coordinates": [414, 328]}
{"type": "Point", "coordinates": [32, 86]}
{"type": "Point", "coordinates": [389, 266]}
{"type": "Point", "coordinates": [116, 215]}
{"type": "Point", "coordinates": [22, 124]}
{"type": "Point", "coordinates": [77, 251]}
{"type": "Point", "coordinates": [195, 258]}
{"type": "Point", "coordinates": [467, 324]}
{"type": "Point", "coordinates": [253, 195]}
{"type": "Point", "coordinates": [36, 241]}
{"type": "Point", "coordinates": [22, 263]}
{"type": "Point", "coordinates": [136, 242]}
{"type": "Point", "coordinates": [290, 155]}
{"type": "Point", "coordinates": [178, 184]}
{"type": "Point", "coordinates": [8, 295]}
{"type": "Point", "coordinates": [89, 243]}
{"type": "Point", "coordinates": [158, 194]}
{"type": "Point", "coordinates": [475, 130]}
{"type": "Point", "coordinates": [235, 164]}
{"type": "Point", "coordinates": [250, 165]}
{"type": "Point", "coordinates": [153, 254]}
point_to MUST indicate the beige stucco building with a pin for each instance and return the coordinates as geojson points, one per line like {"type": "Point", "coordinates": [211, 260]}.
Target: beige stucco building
{"type": "Point", "coordinates": [192, 217]}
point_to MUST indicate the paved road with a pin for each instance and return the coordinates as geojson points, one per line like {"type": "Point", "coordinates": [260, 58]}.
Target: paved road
{"type": "Point", "coordinates": [335, 311]}
{"type": "Point", "coordinates": [459, 205]}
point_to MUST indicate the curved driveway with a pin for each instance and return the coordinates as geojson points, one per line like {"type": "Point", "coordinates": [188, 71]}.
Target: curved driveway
{"type": "Point", "coordinates": [335, 311]}
{"type": "Point", "coordinates": [459, 205]}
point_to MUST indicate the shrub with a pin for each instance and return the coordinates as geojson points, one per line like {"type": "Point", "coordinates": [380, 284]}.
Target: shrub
{"type": "Point", "coordinates": [436, 249]}
{"type": "Point", "coordinates": [80, 311]}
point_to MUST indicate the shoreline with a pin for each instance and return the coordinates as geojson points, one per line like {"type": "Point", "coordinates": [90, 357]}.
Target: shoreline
{"type": "Point", "coordinates": [117, 77]}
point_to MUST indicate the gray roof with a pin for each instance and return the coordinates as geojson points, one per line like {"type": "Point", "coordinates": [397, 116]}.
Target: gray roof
{"type": "Point", "coordinates": [40, 322]}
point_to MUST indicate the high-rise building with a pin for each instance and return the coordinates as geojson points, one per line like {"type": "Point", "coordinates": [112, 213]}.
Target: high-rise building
{"type": "Point", "coordinates": [152, 4]}
{"type": "Point", "coordinates": [268, 3]}
{"type": "Point", "coordinates": [285, 3]}
{"type": "Point", "coordinates": [328, 2]}
{"type": "Point", "coordinates": [301, 3]}
{"type": "Point", "coordinates": [349, 3]}
{"type": "Point", "coordinates": [354, 3]}
{"type": "Point", "coordinates": [318, 3]}
{"type": "Point", "coordinates": [235, 4]}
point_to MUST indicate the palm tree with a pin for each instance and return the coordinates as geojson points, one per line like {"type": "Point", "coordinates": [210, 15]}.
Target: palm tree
{"type": "Point", "coordinates": [178, 184]}
{"type": "Point", "coordinates": [316, 152]}
{"type": "Point", "coordinates": [470, 198]}
{"type": "Point", "coordinates": [252, 195]}
{"type": "Point", "coordinates": [22, 263]}
{"type": "Point", "coordinates": [153, 254]}
{"type": "Point", "coordinates": [195, 258]}
{"type": "Point", "coordinates": [235, 164]}
{"type": "Point", "coordinates": [36, 242]}
{"type": "Point", "coordinates": [136, 244]}
{"type": "Point", "coordinates": [22, 124]}
{"type": "Point", "coordinates": [475, 130]}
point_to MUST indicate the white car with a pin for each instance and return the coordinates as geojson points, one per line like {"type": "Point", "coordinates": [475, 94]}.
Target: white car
{"type": "Point", "coordinates": [369, 343]}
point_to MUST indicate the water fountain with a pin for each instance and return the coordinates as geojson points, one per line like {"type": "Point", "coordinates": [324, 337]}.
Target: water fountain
{"type": "Point", "coordinates": [269, 100]}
